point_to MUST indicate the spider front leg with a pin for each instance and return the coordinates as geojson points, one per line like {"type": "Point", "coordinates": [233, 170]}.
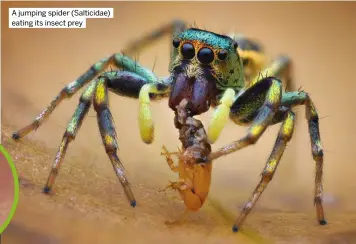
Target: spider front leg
{"type": "Point", "coordinates": [118, 60]}
{"type": "Point", "coordinates": [258, 104]}
{"type": "Point", "coordinates": [132, 82]}
{"type": "Point", "coordinates": [221, 113]}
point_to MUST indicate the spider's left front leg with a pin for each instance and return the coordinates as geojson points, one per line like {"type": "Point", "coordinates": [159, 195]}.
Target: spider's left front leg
{"type": "Point", "coordinates": [257, 106]}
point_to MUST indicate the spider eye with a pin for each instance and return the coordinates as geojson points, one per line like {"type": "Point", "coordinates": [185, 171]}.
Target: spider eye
{"type": "Point", "coordinates": [236, 45]}
{"type": "Point", "coordinates": [222, 55]}
{"type": "Point", "coordinates": [188, 51]}
{"type": "Point", "coordinates": [176, 43]}
{"type": "Point", "coordinates": [205, 55]}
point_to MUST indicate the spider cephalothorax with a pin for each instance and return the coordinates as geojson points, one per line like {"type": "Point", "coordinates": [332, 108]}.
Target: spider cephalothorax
{"type": "Point", "coordinates": [203, 65]}
{"type": "Point", "coordinates": [205, 69]}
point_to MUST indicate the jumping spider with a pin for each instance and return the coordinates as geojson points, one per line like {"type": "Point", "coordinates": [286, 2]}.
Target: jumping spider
{"type": "Point", "coordinates": [207, 69]}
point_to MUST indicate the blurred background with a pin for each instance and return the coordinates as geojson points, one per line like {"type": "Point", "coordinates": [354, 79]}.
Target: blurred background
{"type": "Point", "coordinates": [320, 39]}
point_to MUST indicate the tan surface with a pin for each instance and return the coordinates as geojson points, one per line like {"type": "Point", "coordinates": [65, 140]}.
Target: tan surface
{"type": "Point", "coordinates": [319, 37]}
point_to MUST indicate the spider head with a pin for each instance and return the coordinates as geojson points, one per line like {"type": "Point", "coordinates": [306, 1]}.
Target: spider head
{"type": "Point", "coordinates": [203, 64]}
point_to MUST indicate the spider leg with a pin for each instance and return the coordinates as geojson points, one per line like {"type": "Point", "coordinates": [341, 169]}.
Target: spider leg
{"type": "Point", "coordinates": [108, 135]}
{"type": "Point", "coordinates": [118, 60]}
{"type": "Point", "coordinates": [256, 63]}
{"type": "Point", "coordinates": [74, 124]}
{"type": "Point", "coordinates": [292, 99]}
{"type": "Point", "coordinates": [66, 92]}
{"type": "Point", "coordinates": [221, 113]}
{"type": "Point", "coordinates": [284, 135]}
{"type": "Point", "coordinates": [252, 54]}
{"type": "Point", "coordinates": [122, 83]}
{"type": "Point", "coordinates": [275, 69]}
{"type": "Point", "coordinates": [173, 28]}
{"type": "Point", "coordinates": [258, 104]}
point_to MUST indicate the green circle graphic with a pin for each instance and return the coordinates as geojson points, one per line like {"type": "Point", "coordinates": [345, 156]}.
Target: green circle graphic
{"type": "Point", "coordinates": [16, 190]}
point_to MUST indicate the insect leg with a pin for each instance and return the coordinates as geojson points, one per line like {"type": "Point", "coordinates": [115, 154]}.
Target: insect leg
{"type": "Point", "coordinates": [284, 135]}
{"type": "Point", "coordinates": [264, 98]}
{"type": "Point", "coordinates": [169, 159]}
{"type": "Point", "coordinates": [71, 132]}
{"type": "Point", "coordinates": [108, 135]}
{"type": "Point", "coordinates": [292, 99]}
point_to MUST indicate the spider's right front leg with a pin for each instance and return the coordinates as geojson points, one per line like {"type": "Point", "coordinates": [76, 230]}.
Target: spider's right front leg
{"type": "Point", "coordinates": [123, 83]}
{"type": "Point", "coordinates": [118, 60]}
{"type": "Point", "coordinates": [135, 81]}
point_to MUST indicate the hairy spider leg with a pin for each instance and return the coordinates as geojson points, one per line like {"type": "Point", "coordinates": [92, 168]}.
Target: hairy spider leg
{"type": "Point", "coordinates": [245, 109]}
{"type": "Point", "coordinates": [292, 99]}
{"type": "Point", "coordinates": [268, 90]}
{"type": "Point", "coordinates": [118, 60]}
{"type": "Point", "coordinates": [174, 27]}
{"type": "Point", "coordinates": [252, 54]}
{"type": "Point", "coordinates": [284, 135]}
{"type": "Point", "coordinates": [74, 125]}
{"type": "Point", "coordinates": [275, 69]}
{"type": "Point", "coordinates": [108, 135]}
{"type": "Point", "coordinates": [124, 83]}
{"type": "Point", "coordinates": [222, 111]}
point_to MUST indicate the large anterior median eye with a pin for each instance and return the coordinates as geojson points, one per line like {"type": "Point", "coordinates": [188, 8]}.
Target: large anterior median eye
{"type": "Point", "coordinates": [205, 55]}
{"type": "Point", "coordinates": [188, 51]}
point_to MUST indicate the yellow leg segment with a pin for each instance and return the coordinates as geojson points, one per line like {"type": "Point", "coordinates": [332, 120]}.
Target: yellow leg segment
{"type": "Point", "coordinates": [145, 115]}
{"type": "Point", "coordinates": [221, 115]}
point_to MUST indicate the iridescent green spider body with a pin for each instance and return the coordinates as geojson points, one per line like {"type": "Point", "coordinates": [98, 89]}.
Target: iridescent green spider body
{"type": "Point", "coordinates": [228, 72]}
{"type": "Point", "coordinates": [206, 69]}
